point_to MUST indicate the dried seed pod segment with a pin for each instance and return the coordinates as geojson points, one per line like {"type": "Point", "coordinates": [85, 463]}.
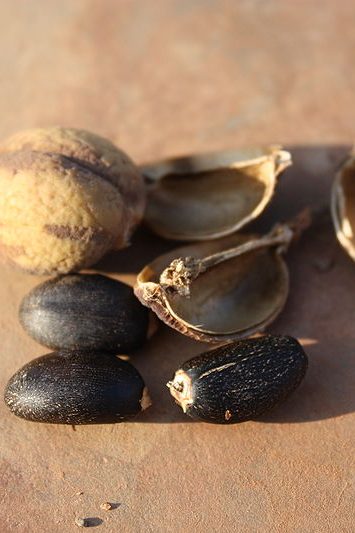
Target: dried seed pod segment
{"type": "Point", "coordinates": [209, 196]}
{"type": "Point", "coordinates": [222, 290]}
{"type": "Point", "coordinates": [343, 205]}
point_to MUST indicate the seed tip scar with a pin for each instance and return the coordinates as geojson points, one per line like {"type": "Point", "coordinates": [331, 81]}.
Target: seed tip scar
{"type": "Point", "coordinates": [175, 385]}
{"type": "Point", "coordinates": [145, 401]}
{"type": "Point", "coordinates": [227, 415]}
{"type": "Point", "coordinates": [181, 389]}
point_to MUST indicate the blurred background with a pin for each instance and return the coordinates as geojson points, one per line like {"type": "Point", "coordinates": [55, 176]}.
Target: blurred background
{"type": "Point", "coordinates": [170, 76]}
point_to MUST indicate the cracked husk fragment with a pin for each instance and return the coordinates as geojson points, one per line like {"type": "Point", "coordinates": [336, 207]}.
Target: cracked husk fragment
{"type": "Point", "coordinates": [222, 290]}
{"type": "Point", "coordinates": [208, 196]}
{"type": "Point", "coordinates": [343, 205]}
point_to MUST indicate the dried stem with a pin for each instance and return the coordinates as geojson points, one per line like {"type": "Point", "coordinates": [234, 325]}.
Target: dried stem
{"type": "Point", "coordinates": [181, 272]}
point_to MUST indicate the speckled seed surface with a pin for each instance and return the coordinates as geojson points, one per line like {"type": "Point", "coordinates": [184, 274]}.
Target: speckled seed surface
{"type": "Point", "coordinates": [85, 312]}
{"type": "Point", "coordinates": [241, 381]}
{"type": "Point", "coordinates": [167, 77]}
{"type": "Point", "coordinates": [76, 388]}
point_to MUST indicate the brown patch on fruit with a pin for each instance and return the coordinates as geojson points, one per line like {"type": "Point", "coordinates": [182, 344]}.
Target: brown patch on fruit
{"type": "Point", "coordinates": [76, 233]}
{"type": "Point", "coordinates": [87, 166]}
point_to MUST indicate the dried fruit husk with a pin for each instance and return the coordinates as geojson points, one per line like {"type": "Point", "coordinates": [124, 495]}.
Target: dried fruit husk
{"type": "Point", "coordinates": [222, 290]}
{"type": "Point", "coordinates": [208, 196]}
{"type": "Point", "coordinates": [343, 205]}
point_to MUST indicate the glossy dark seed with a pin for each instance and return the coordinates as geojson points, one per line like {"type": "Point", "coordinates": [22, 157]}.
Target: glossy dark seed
{"type": "Point", "coordinates": [85, 312]}
{"type": "Point", "coordinates": [239, 381]}
{"type": "Point", "coordinates": [76, 388]}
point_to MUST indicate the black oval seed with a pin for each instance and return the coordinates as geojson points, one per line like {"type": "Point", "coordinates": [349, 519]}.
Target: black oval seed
{"type": "Point", "coordinates": [239, 381]}
{"type": "Point", "coordinates": [76, 388]}
{"type": "Point", "coordinates": [85, 312]}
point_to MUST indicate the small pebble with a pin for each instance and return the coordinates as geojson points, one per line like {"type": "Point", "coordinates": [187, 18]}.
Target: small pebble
{"type": "Point", "coordinates": [81, 522]}
{"type": "Point", "coordinates": [106, 506]}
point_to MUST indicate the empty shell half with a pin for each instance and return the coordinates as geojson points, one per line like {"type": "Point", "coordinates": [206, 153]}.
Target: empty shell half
{"type": "Point", "coordinates": [343, 205]}
{"type": "Point", "coordinates": [222, 290]}
{"type": "Point", "coordinates": [208, 196]}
